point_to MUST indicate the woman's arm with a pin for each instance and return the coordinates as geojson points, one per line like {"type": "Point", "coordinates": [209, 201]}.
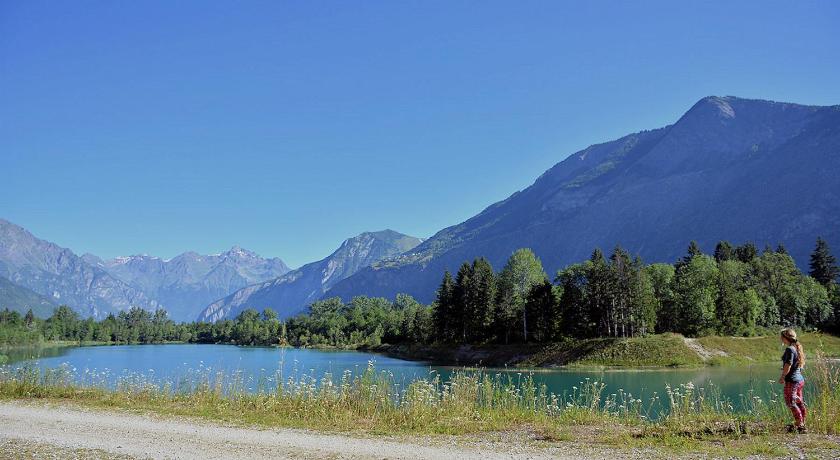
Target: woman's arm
{"type": "Point", "coordinates": [785, 371]}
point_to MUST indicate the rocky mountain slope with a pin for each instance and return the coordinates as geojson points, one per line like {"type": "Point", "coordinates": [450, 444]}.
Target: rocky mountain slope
{"type": "Point", "coordinates": [20, 299]}
{"type": "Point", "coordinates": [730, 168]}
{"type": "Point", "coordinates": [62, 276]}
{"type": "Point", "coordinates": [291, 294]}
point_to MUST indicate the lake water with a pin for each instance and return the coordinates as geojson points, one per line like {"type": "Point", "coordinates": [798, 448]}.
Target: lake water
{"type": "Point", "coordinates": [171, 362]}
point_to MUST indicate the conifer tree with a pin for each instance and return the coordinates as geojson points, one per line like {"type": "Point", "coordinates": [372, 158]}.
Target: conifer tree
{"type": "Point", "coordinates": [823, 264]}
{"type": "Point", "coordinates": [460, 299]}
{"type": "Point", "coordinates": [443, 315]}
{"type": "Point", "coordinates": [575, 319]}
{"type": "Point", "coordinates": [598, 293]}
{"type": "Point", "coordinates": [724, 251]}
{"type": "Point", "coordinates": [480, 300]}
{"type": "Point", "coordinates": [746, 252]}
{"type": "Point", "coordinates": [542, 309]}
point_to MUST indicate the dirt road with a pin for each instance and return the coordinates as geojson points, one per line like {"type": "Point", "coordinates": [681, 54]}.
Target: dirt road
{"type": "Point", "coordinates": [71, 429]}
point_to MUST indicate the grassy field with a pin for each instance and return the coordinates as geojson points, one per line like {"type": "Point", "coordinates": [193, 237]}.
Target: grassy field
{"type": "Point", "coordinates": [693, 419]}
{"type": "Point", "coordinates": [655, 350]}
{"type": "Point", "coordinates": [766, 349]}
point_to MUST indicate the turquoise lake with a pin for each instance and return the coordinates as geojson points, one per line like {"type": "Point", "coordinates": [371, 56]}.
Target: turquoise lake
{"type": "Point", "coordinates": [261, 366]}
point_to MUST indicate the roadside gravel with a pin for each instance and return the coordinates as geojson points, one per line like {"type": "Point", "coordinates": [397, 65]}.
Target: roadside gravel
{"type": "Point", "coordinates": [69, 429]}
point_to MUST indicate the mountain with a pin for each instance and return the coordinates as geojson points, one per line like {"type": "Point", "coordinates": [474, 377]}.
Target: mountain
{"type": "Point", "coordinates": [62, 276]}
{"type": "Point", "coordinates": [291, 293]}
{"type": "Point", "coordinates": [730, 168]}
{"type": "Point", "coordinates": [190, 281]}
{"type": "Point", "coordinates": [20, 299]}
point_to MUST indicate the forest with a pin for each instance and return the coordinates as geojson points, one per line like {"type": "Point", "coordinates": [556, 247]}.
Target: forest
{"type": "Point", "coordinates": [735, 291]}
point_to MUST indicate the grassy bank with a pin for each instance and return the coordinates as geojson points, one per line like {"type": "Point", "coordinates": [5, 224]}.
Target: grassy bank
{"type": "Point", "coordinates": [654, 350]}
{"type": "Point", "coordinates": [692, 419]}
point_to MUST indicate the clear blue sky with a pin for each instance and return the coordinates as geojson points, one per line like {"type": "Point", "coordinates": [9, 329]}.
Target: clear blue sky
{"type": "Point", "coordinates": [285, 127]}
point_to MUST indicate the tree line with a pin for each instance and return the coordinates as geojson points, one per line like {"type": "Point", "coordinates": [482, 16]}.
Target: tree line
{"type": "Point", "coordinates": [736, 290]}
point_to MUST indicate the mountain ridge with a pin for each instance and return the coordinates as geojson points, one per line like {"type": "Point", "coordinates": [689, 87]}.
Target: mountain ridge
{"type": "Point", "coordinates": [186, 283]}
{"type": "Point", "coordinates": [62, 276]}
{"type": "Point", "coordinates": [652, 191]}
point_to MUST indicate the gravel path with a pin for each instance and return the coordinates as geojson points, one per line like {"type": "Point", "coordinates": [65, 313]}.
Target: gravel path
{"type": "Point", "coordinates": [704, 353]}
{"type": "Point", "coordinates": [141, 436]}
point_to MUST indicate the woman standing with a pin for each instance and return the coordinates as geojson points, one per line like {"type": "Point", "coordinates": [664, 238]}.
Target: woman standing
{"type": "Point", "coordinates": [793, 360]}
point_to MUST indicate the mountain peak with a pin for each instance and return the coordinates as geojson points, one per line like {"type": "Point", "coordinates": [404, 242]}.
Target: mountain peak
{"type": "Point", "coordinates": [713, 107]}
{"type": "Point", "coordinates": [730, 168]}
{"type": "Point", "coordinates": [239, 251]}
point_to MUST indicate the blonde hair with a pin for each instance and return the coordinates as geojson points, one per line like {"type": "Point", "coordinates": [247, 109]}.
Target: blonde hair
{"type": "Point", "coordinates": [790, 335]}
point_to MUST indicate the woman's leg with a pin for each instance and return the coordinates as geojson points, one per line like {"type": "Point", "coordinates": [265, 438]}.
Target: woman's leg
{"type": "Point", "coordinates": [800, 401]}
{"type": "Point", "coordinates": [790, 393]}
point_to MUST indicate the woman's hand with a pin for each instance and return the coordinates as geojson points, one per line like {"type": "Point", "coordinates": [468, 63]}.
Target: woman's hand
{"type": "Point", "coordinates": [782, 380]}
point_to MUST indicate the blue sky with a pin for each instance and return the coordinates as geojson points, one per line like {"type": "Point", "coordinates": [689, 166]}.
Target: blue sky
{"type": "Point", "coordinates": [285, 127]}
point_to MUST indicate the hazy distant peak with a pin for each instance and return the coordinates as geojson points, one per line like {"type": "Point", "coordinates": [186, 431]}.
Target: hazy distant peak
{"type": "Point", "coordinates": [289, 294]}
{"type": "Point", "coordinates": [239, 251]}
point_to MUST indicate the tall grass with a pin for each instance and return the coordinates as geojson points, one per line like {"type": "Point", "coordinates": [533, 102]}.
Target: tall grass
{"type": "Point", "coordinates": [466, 401]}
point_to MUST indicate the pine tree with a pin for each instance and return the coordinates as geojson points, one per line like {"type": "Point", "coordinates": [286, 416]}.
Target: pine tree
{"type": "Point", "coordinates": [724, 251]}
{"type": "Point", "coordinates": [598, 293]}
{"type": "Point", "coordinates": [746, 252]}
{"type": "Point", "coordinates": [823, 264]}
{"type": "Point", "coordinates": [460, 300]}
{"type": "Point", "coordinates": [574, 317]}
{"type": "Point", "coordinates": [780, 249]}
{"type": "Point", "coordinates": [480, 300]}
{"type": "Point", "coordinates": [443, 316]}
{"type": "Point", "coordinates": [542, 309]}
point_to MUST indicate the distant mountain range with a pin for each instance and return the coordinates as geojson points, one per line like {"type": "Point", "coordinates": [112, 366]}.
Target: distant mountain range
{"type": "Point", "coordinates": [730, 168]}
{"type": "Point", "coordinates": [292, 293]}
{"type": "Point", "coordinates": [185, 284]}
{"type": "Point", "coordinates": [41, 275]}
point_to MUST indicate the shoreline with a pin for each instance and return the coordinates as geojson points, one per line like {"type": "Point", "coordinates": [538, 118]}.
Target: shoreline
{"type": "Point", "coordinates": [655, 352]}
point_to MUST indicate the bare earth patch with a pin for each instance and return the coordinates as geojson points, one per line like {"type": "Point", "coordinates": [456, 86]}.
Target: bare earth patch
{"type": "Point", "coordinates": [704, 353]}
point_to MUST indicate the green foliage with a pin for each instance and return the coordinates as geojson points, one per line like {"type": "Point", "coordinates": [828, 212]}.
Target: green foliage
{"type": "Point", "coordinates": [365, 321]}
{"type": "Point", "coordinates": [695, 290]}
{"type": "Point", "coordinates": [737, 305]}
{"type": "Point", "coordinates": [522, 272]}
{"type": "Point", "coordinates": [823, 264]}
{"type": "Point", "coordinates": [724, 251]}
{"type": "Point", "coordinates": [746, 252]}
{"type": "Point", "coordinates": [444, 309]}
